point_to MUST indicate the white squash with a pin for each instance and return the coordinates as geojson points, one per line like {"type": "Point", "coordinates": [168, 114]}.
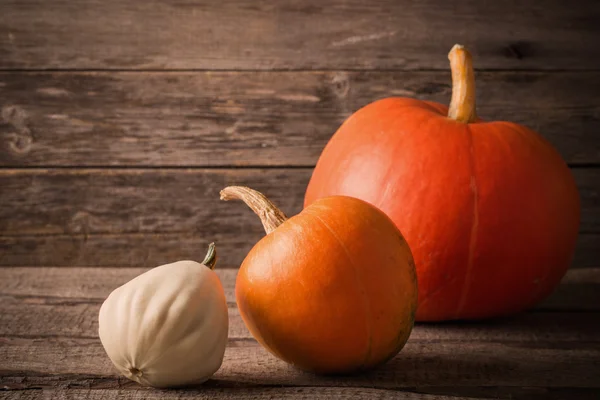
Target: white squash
{"type": "Point", "coordinates": [167, 327]}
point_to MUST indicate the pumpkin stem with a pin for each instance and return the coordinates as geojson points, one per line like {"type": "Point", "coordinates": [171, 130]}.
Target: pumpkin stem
{"type": "Point", "coordinates": [462, 105]}
{"type": "Point", "coordinates": [270, 216]}
{"type": "Point", "coordinates": [211, 256]}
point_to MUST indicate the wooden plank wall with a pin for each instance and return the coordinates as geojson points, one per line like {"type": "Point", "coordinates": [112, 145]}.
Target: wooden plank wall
{"type": "Point", "coordinates": [121, 121]}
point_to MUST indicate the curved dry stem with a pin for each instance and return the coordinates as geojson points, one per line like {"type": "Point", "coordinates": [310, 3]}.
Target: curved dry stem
{"type": "Point", "coordinates": [270, 216]}
{"type": "Point", "coordinates": [462, 105]}
{"type": "Point", "coordinates": [211, 256]}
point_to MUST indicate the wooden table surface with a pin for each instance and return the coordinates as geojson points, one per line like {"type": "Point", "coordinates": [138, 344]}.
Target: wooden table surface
{"type": "Point", "coordinates": [51, 350]}
{"type": "Point", "coordinates": [120, 121]}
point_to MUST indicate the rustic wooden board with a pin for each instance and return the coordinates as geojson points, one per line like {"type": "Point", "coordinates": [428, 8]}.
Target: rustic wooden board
{"type": "Point", "coordinates": [144, 217]}
{"type": "Point", "coordinates": [215, 391]}
{"type": "Point", "coordinates": [94, 284]}
{"type": "Point", "coordinates": [150, 250]}
{"type": "Point", "coordinates": [227, 393]}
{"type": "Point", "coordinates": [48, 336]}
{"type": "Point", "coordinates": [121, 205]}
{"type": "Point", "coordinates": [35, 317]}
{"type": "Point", "coordinates": [134, 250]}
{"type": "Point", "coordinates": [579, 290]}
{"type": "Point", "coordinates": [104, 201]}
{"type": "Point", "coordinates": [119, 201]}
{"type": "Point", "coordinates": [138, 86]}
{"type": "Point", "coordinates": [421, 363]}
{"type": "Point", "coordinates": [256, 118]}
{"type": "Point", "coordinates": [59, 302]}
{"type": "Point", "coordinates": [39, 317]}
{"type": "Point", "coordinates": [296, 34]}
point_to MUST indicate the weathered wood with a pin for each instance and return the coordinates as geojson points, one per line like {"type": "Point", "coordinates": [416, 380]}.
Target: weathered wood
{"type": "Point", "coordinates": [94, 284]}
{"type": "Point", "coordinates": [421, 363]}
{"type": "Point", "coordinates": [150, 250]}
{"type": "Point", "coordinates": [121, 205]}
{"type": "Point", "coordinates": [50, 302]}
{"type": "Point", "coordinates": [36, 317]}
{"type": "Point", "coordinates": [128, 250]}
{"type": "Point", "coordinates": [296, 34]}
{"type": "Point", "coordinates": [137, 217]}
{"type": "Point", "coordinates": [46, 286]}
{"type": "Point", "coordinates": [89, 284]}
{"type": "Point", "coordinates": [215, 391]}
{"type": "Point", "coordinates": [227, 393]}
{"type": "Point", "coordinates": [587, 252]}
{"type": "Point", "coordinates": [90, 201]}
{"type": "Point", "coordinates": [579, 290]}
{"type": "Point", "coordinates": [39, 317]}
{"type": "Point", "coordinates": [256, 118]}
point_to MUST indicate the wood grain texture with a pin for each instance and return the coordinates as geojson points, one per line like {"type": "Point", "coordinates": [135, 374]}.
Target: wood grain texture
{"type": "Point", "coordinates": [421, 363]}
{"type": "Point", "coordinates": [36, 317]}
{"type": "Point", "coordinates": [296, 34]}
{"type": "Point", "coordinates": [48, 336]}
{"type": "Point", "coordinates": [145, 217]}
{"type": "Point", "coordinates": [216, 391]}
{"type": "Point", "coordinates": [125, 214]}
{"type": "Point", "coordinates": [228, 393]}
{"type": "Point", "coordinates": [175, 100]}
{"type": "Point", "coordinates": [150, 250]}
{"type": "Point", "coordinates": [257, 118]}
{"type": "Point", "coordinates": [94, 284]}
{"type": "Point", "coordinates": [64, 302]}
{"type": "Point", "coordinates": [42, 317]}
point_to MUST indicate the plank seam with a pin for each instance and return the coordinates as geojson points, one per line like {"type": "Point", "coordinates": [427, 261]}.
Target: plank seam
{"type": "Point", "coordinates": [16, 168]}
{"type": "Point", "coordinates": [291, 70]}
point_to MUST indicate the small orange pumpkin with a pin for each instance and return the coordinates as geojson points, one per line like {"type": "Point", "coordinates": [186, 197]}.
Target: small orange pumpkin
{"type": "Point", "coordinates": [489, 209]}
{"type": "Point", "coordinates": [330, 290]}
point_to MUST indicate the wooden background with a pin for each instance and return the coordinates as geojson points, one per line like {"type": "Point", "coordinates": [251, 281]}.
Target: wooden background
{"type": "Point", "coordinates": [120, 121]}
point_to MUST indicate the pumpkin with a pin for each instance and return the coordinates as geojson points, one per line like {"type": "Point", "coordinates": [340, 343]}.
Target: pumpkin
{"type": "Point", "coordinates": [168, 326]}
{"type": "Point", "coordinates": [489, 209]}
{"type": "Point", "coordinates": [330, 290]}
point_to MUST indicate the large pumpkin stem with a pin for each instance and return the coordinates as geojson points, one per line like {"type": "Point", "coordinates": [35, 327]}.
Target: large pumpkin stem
{"type": "Point", "coordinates": [270, 216]}
{"type": "Point", "coordinates": [211, 257]}
{"type": "Point", "coordinates": [462, 105]}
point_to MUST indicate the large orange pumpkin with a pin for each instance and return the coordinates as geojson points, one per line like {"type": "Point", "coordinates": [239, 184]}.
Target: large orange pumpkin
{"type": "Point", "coordinates": [489, 209]}
{"type": "Point", "coordinates": [330, 290]}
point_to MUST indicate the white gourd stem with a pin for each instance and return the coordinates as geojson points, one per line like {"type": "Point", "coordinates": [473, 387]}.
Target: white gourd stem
{"type": "Point", "coordinates": [211, 256]}
{"type": "Point", "coordinates": [270, 216]}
